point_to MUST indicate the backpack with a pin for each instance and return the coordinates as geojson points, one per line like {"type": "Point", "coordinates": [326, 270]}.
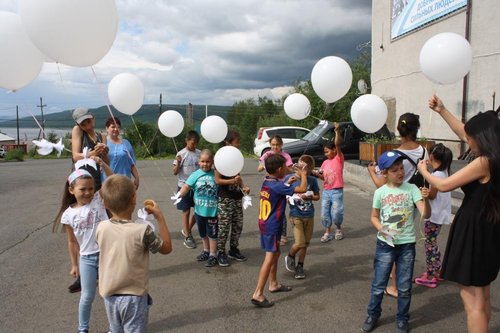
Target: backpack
{"type": "Point", "coordinates": [416, 178]}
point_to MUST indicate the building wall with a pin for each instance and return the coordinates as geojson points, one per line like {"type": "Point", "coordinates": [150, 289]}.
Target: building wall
{"type": "Point", "coordinates": [396, 74]}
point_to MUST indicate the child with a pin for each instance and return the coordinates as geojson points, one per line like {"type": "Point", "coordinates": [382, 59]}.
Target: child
{"type": "Point", "coordinates": [229, 209]}
{"type": "Point", "coordinates": [202, 182]}
{"type": "Point", "coordinates": [302, 218]}
{"type": "Point", "coordinates": [272, 211]}
{"type": "Point", "coordinates": [124, 258]}
{"type": "Point", "coordinates": [440, 202]}
{"type": "Point", "coordinates": [81, 212]}
{"type": "Point", "coordinates": [332, 204]}
{"type": "Point", "coordinates": [392, 216]}
{"type": "Point", "coordinates": [185, 163]}
{"type": "Point", "coordinates": [276, 143]}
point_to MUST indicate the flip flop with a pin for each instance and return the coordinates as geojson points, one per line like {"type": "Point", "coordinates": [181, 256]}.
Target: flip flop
{"type": "Point", "coordinates": [262, 304]}
{"type": "Point", "coordinates": [282, 288]}
{"type": "Point", "coordinates": [389, 294]}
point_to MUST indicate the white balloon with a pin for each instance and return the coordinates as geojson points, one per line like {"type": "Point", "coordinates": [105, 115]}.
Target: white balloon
{"type": "Point", "coordinates": [213, 129]}
{"type": "Point", "coordinates": [446, 58]}
{"type": "Point", "coordinates": [126, 93]}
{"type": "Point", "coordinates": [331, 78]}
{"type": "Point", "coordinates": [297, 106]}
{"type": "Point", "coordinates": [71, 32]}
{"type": "Point", "coordinates": [229, 161]}
{"type": "Point", "coordinates": [369, 113]}
{"type": "Point", "coordinates": [20, 60]}
{"type": "Point", "coordinates": [171, 123]}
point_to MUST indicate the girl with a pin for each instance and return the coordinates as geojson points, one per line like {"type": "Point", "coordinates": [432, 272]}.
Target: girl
{"type": "Point", "coordinates": [202, 181]}
{"type": "Point", "coordinates": [229, 209]}
{"type": "Point", "coordinates": [332, 204]}
{"type": "Point", "coordinates": [81, 211]}
{"type": "Point", "coordinates": [471, 258]}
{"type": "Point", "coordinates": [121, 154]}
{"type": "Point", "coordinates": [440, 160]}
{"type": "Point", "coordinates": [276, 143]}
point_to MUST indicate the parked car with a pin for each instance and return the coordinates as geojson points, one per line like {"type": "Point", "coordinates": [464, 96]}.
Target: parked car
{"type": "Point", "coordinates": [287, 133]}
{"type": "Point", "coordinates": [2, 152]}
{"type": "Point", "coordinates": [312, 143]}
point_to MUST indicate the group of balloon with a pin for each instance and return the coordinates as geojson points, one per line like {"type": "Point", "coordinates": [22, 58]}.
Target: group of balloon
{"type": "Point", "coordinates": [80, 33]}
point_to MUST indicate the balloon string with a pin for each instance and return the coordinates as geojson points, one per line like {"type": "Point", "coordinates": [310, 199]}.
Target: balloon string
{"type": "Point", "coordinates": [60, 75]}
{"type": "Point", "coordinates": [175, 145]}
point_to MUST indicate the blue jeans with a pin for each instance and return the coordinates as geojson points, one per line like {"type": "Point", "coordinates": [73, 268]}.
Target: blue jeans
{"type": "Point", "coordinates": [89, 266]}
{"type": "Point", "coordinates": [385, 255]}
{"type": "Point", "coordinates": [332, 207]}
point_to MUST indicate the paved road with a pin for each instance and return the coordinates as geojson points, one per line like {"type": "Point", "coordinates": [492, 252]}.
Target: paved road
{"type": "Point", "coordinates": [187, 296]}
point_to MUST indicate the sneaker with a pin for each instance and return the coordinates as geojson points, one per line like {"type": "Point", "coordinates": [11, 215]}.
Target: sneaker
{"type": "Point", "coordinates": [339, 234]}
{"type": "Point", "coordinates": [235, 254]}
{"type": "Point", "coordinates": [402, 327]}
{"type": "Point", "coordinates": [211, 262]}
{"type": "Point", "coordinates": [369, 324]}
{"type": "Point", "coordinates": [189, 242]}
{"type": "Point", "coordinates": [299, 272]}
{"type": "Point", "coordinates": [290, 263]}
{"type": "Point", "coordinates": [326, 238]}
{"type": "Point", "coordinates": [75, 286]}
{"type": "Point", "coordinates": [432, 283]}
{"type": "Point", "coordinates": [222, 259]}
{"type": "Point", "coordinates": [203, 256]}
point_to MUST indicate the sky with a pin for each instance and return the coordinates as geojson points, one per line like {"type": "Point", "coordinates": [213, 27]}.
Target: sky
{"type": "Point", "coordinates": [214, 52]}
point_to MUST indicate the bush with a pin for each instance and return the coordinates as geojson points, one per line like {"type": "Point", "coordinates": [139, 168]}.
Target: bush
{"type": "Point", "coordinates": [15, 155]}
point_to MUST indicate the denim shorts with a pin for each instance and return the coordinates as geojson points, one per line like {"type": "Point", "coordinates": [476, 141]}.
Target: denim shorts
{"type": "Point", "coordinates": [207, 226]}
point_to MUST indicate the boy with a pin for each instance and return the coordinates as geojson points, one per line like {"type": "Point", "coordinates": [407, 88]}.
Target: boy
{"type": "Point", "coordinates": [302, 218]}
{"type": "Point", "coordinates": [185, 163]}
{"type": "Point", "coordinates": [124, 256]}
{"type": "Point", "coordinates": [202, 184]}
{"type": "Point", "coordinates": [392, 216]}
{"type": "Point", "coordinates": [272, 209]}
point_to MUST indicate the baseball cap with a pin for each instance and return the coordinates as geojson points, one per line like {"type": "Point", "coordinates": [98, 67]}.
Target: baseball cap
{"type": "Point", "coordinates": [387, 159]}
{"type": "Point", "coordinates": [80, 114]}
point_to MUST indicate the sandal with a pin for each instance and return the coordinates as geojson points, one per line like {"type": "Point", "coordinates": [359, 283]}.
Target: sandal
{"type": "Point", "coordinates": [326, 238]}
{"type": "Point", "coordinates": [282, 288]}
{"type": "Point", "coordinates": [262, 304]}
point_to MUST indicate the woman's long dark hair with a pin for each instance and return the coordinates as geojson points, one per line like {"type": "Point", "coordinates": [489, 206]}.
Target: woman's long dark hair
{"type": "Point", "coordinates": [484, 129]}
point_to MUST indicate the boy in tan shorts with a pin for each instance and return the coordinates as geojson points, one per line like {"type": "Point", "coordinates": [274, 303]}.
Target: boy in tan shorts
{"type": "Point", "coordinates": [302, 218]}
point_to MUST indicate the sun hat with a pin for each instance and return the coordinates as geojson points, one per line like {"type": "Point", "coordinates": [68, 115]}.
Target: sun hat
{"type": "Point", "coordinates": [80, 114]}
{"type": "Point", "coordinates": [387, 159]}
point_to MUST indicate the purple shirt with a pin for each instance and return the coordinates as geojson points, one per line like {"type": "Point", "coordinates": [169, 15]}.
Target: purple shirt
{"type": "Point", "coordinates": [287, 157]}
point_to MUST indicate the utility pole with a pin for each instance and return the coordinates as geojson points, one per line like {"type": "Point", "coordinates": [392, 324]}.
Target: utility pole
{"type": "Point", "coordinates": [43, 120]}
{"type": "Point", "coordinates": [17, 122]}
{"type": "Point", "coordinates": [159, 136]}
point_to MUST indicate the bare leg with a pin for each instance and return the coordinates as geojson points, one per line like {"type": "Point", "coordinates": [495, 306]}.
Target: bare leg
{"type": "Point", "coordinates": [273, 279]}
{"type": "Point", "coordinates": [185, 222]}
{"type": "Point", "coordinates": [264, 273]}
{"type": "Point", "coordinates": [477, 307]}
{"type": "Point", "coordinates": [392, 290]}
{"type": "Point", "coordinates": [192, 222]}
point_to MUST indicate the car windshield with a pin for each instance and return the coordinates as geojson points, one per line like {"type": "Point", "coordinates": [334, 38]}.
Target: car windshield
{"type": "Point", "coordinates": [319, 130]}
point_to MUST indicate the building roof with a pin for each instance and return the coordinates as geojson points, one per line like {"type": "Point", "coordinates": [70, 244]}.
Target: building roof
{"type": "Point", "coordinates": [4, 137]}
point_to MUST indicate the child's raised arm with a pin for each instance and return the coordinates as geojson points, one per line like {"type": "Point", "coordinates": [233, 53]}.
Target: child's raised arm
{"type": "Point", "coordinates": [166, 247]}
{"type": "Point", "coordinates": [338, 139]}
{"type": "Point", "coordinates": [177, 166]}
{"type": "Point", "coordinates": [303, 182]}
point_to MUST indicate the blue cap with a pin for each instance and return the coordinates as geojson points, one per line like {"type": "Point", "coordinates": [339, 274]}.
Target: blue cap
{"type": "Point", "coordinates": [387, 159]}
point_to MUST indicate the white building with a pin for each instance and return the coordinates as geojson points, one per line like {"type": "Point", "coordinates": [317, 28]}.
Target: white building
{"type": "Point", "coordinates": [396, 74]}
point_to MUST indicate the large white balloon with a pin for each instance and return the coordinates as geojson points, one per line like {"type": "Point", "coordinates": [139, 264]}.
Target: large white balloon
{"type": "Point", "coordinates": [213, 129]}
{"type": "Point", "coordinates": [72, 32]}
{"type": "Point", "coordinates": [369, 113]}
{"type": "Point", "coordinates": [229, 161]}
{"type": "Point", "coordinates": [126, 93]}
{"type": "Point", "coordinates": [171, 123]}
{"type": "Point", "coordinates": [446, 58]}
{"type": "Point", "coordinates": [20, 60]}
{"type": "Point", "coordinates": [331, 78]}
{"type": "Point", "coordinates": [297, 106]}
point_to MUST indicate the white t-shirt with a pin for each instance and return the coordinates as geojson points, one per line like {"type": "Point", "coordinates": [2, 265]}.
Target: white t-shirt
{"type": "Point", "coordinates": [84, 220]}
{"type": "Point", "coordinates": [441, 204]}
{"type": "Point", "coordinates": [189, 164]}
{"type": "Point", "coordinates": [415, 155]}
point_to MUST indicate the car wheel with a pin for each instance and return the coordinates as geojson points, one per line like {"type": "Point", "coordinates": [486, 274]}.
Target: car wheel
{"type": "Point", "coordinates": [265, 151]}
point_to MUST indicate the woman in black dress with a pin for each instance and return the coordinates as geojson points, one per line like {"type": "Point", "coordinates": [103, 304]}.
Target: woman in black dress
{"type": "Point", "coordinates": [472, 257]}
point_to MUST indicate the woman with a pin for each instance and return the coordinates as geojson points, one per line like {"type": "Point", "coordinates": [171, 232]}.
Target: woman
{"type": "Point", "coordinates": [408, 126]}
{"type": "Point", "coordinates": [84, 135]}
{"type": "Point", "coordinates": [121, 154]}
{"type": "Point", "coordinates": [471, 257]}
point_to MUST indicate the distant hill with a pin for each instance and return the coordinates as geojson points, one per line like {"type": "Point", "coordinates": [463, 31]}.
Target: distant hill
{"type": "Point", "coordinates": [148, 113]}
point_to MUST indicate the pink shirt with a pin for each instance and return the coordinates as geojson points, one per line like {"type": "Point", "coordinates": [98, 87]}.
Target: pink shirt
{"type": "Point", "coordinates": [287, 157]}
{"type": "Point", "coordinates": [333, 173]}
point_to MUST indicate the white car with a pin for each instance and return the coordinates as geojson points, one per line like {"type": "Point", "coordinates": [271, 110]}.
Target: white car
{"type": "Point", "coordinates": [2, 152]}
{"type": "Point", "coordinates": [287, 133]}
